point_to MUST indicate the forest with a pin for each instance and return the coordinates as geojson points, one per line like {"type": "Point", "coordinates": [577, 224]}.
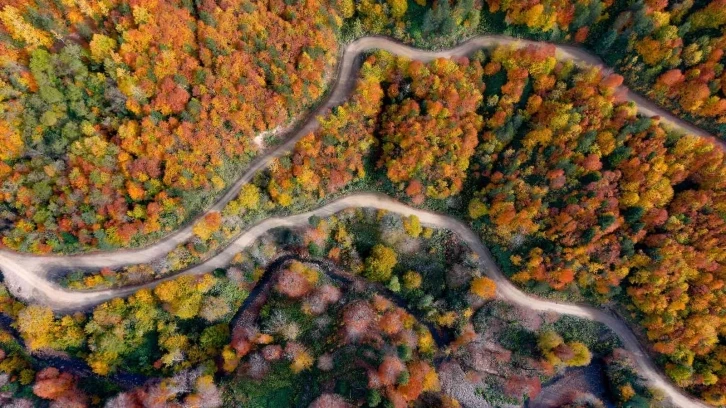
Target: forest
{"type": "Point", "coordinates": [577, 196]}
{"type": "Point", "coordinates": [106, 149]}
{"type": "Point", "coordinates": [571, 190]}
{"type": "Point", "coordinates": [361, 311]}
{"type": "Point", "coordinates": [123, 120]}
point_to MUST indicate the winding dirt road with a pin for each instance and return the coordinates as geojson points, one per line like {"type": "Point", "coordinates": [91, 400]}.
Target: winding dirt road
{"type": "Point", "coordinates": [62, 299]}
{"type": "Point", "coordinates": [27, 275]}
{"type": "Point", "coordinates": [347, 74]}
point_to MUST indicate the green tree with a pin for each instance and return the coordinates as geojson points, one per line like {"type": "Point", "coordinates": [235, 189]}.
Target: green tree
{"type": "Point", "coordinates": [380, 263]}
{"type": "Point", "coordinates": [213, 338]}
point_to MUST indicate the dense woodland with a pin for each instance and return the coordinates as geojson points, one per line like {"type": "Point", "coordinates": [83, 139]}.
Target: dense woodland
{"type": "Point", "coordinates": [671, 51]}
{"type": "Point", "coordinates": [567, 185]}
{"type": "Point", "coordinates": [319, 333]}
{"type": "Point", "coordinates": [573, 192]}
{"type": "Point", "coordinates": [121, 119]}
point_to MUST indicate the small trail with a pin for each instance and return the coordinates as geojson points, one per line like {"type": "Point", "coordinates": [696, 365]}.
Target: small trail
{"type": "Point", "coordinates": [27, 275]}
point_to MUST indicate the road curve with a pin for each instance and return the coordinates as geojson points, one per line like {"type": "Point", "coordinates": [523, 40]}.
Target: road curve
{"type": "Point", "coordinates": [347, 74]}
{"type": "Point", "coordinates": [61, 299]}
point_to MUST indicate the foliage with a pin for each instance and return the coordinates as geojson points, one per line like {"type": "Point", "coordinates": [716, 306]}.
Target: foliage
{"type": "Point", "coordinates": [430, 134]}
{"type": "Point", "coordinates": [380, 263]}
{"type": "Point", "coordinates": [150, 330]}
{"type": "Point", "coordinates": [119, 120]}
{"type": "Point", "coordinates": [578, 193]}
{"type": "Point", "coordinates": [484, 287]}
{"type": "Point", "coordinates": [209, 224]}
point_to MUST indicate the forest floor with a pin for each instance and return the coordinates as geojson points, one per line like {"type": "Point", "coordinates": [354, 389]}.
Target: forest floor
{"type": "Point", "coordinates": [587, 379]}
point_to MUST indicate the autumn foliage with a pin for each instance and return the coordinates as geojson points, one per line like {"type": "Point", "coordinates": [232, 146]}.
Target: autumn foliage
{"type": "Point", "coordinates": [484, 287]}
{"type": "Point", "coordinates": [574, 190]}
{"type": "Point", "coordinates": [119, 116]}
{"type": "Point", "coordinates": [61, 388]}
{"type": "Point", "coordinates": [430, 135]}
{"type": "Point", "coordinates": [587, 194]}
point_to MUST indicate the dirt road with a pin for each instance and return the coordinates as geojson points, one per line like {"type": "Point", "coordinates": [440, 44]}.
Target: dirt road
{"type": "Point", "coordinates": [65, 300]}
{"type": "Point", "coordinates": [347, 74]}
{"type": "Point", "coordinates": [27, 275]}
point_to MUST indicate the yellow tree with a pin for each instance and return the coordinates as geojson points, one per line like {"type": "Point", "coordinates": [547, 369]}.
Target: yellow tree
{"type": "Point", "coordinates": [581, 356]}
{"type": "Point", "coordinates": [380, 263]}
{"type": "Point", "coordinates": [412, 280]}
{"type": "Point", "coordinates": [302, 360]}
{"type": "Point", "coordinates": [21, 30]}
{"type": "Point", "coordinates": [249, 197]}
{"type": "Point", "coordinates": [35, 324]}
{"type": "Point", "coordinates": [101, 47]}
{"type": "Point", "coordinates": [398, 8]}
{"type": "Point", "coordinates": [484, 287]}
{"type": "Point", "coordinates": [208, 225]}
{"type": "Point", "coordinates": [182, 296]}
{"type": "Point", "coordinates": [412, 225]}
{"type": "Point", "coordinates": [477, 209]}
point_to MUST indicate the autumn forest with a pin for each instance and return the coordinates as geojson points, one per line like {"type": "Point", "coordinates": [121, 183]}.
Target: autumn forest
{"type": "Point", "coordinates": [483, 183]}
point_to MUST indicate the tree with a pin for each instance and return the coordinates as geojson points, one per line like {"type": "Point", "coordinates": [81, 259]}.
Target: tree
{"type": "Point", "coordinates": [23, 31]}
{"type": "Point", "coordinates": [208, 225]}
{"type": "Point", "coordinates": [548, 340]}
{"type": "Point", "coordinates": [412, 280]}
{"type": "Point", "coordinates": [302, 360]}
{"type": "Point", "coordinates": [51, 384]}
{"type": "Point", "coordinates": [357, 319]}
{"type": "Point", "coordinates": [12, 142]}
{"type": "Point", "coordinates": [213, 338]}
{"type": "Point", "coordinates": [412, 225]}
{"type": "Point", "coordinates": [379, 264]}
{"type": "Point", "coordinates": [347, 8]}
{"type": "Point", "coordinates": [183, 296]}
{"type": "Point", "coordinates": [59, 387]}
{"type": "Point", "coordinates": [681, 374]}
{"type": "Point", "coordinates": [390, 323]}
{"type": "Point", "coordinates": [249, 197]}
{"type": "Point", "coordinates": [101, 47]}
{"type": "Point", "coordinates": [214, 309]}
{"type": "Point", "coordinates": [581, 355]}
{"type": "Point", "coordinates": [477, 209]}
{"type": "Point", "coordinates": [390, 369]}
{"type": "Point", "coordinates": [296, 281]}
{"type": "Point", "coordinates": [484, 287]}
{"type": "Point", "coordinates": [330, 401]}
{"type": "Point", "coordinates": [398, 8]}
{"type": "Point", "coordinates": [36, 323]}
